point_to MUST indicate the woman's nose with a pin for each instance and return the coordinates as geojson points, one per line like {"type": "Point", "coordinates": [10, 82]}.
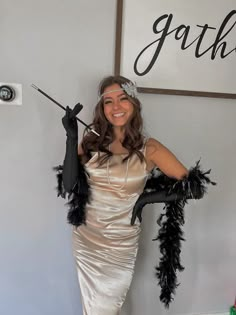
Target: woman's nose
{"type": "Point", "coordinates": [116, 104]}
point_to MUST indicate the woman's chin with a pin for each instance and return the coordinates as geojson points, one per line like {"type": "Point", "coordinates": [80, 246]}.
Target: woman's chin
{"type": "Point", "coordinates": [119, 125]}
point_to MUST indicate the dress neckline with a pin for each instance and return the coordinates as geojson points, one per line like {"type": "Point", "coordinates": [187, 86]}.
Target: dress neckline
{"type": "Point", "coordinates": [109, 148]}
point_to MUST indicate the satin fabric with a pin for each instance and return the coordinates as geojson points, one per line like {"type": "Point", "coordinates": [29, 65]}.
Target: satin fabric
{"type": "Point", "coordinates": [105, 248]}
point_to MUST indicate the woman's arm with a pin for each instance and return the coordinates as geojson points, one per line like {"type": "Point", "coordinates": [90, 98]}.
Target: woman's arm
{"type": "Point", "coordinates": [71, 165]}
{"type": "Point", "coordinates": [158, 155]}
{"type": "Point", "coordinates": [174, 182]}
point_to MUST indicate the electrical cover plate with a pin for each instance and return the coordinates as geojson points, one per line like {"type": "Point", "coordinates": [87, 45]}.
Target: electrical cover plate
{"type": "Point", "coordinates": [18, 94]}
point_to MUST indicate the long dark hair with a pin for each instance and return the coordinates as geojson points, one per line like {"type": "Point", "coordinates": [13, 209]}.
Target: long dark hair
{"type": "Point", "coordinates": [133, 138]}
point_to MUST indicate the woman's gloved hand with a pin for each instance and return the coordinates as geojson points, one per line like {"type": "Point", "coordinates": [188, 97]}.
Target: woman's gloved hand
{"type": "Point", "coordinates": [69, 121]}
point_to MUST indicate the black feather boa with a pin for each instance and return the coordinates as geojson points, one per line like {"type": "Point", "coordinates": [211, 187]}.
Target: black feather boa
{"type": "Point", "coordinates": [77, 198]}
{"type": "Point", "coordinates": [170, 233]}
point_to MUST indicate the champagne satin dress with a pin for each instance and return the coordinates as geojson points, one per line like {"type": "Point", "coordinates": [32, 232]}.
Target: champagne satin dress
{"type": "Point", "coordinates": [105, 248]}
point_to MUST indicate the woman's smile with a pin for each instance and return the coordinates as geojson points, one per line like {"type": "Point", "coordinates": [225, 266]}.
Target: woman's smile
{"type": "Point", "coordinates": [118, 115]}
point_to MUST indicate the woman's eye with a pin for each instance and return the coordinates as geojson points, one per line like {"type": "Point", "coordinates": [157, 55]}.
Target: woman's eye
{"type": "Point", "coordinates": [124, 98]}
{"type": "Point", "coordinates": [107, 102]}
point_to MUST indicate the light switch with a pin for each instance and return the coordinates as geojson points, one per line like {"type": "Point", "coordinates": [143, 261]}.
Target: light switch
{"type": "Point", "coordinates": [10, 93]}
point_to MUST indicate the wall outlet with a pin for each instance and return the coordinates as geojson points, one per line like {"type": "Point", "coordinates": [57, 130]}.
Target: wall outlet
{"type": "Point", "coordinates": [17, 88]}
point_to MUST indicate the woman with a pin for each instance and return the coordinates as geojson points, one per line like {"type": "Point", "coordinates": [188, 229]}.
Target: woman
{"type": "Point", "coordinates": [117, 164]}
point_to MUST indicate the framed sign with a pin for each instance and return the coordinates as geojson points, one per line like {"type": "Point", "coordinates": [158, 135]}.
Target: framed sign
{"type": "Point", "coordinates": [184, 47]}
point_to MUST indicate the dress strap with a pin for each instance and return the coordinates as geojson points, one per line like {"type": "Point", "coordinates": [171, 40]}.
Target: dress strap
{"type": "Point", "coordinates": [144, 146]}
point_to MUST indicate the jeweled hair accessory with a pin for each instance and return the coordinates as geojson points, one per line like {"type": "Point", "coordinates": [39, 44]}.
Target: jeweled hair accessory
{"type": "Point", "coordinates": [130, 88]}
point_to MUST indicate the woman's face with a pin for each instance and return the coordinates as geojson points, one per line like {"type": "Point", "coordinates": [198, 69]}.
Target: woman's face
{"type": "Point", "coordinates": [117, 108]}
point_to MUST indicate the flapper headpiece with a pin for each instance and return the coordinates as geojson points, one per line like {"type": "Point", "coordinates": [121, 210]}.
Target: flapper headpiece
{"type": "Point", "coordinates": [129, 88]}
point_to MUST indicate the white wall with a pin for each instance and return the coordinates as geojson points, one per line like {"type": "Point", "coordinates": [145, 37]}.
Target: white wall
{"type": "Point", "coordinates": [66, 48]}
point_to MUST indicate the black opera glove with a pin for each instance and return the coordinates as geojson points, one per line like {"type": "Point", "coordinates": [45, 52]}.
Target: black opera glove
{"type": "Point", "coordinates": [72, 177]}
{"type": "Point", "coordinates": [162, 189]}
{"type": "Point", "coordinates": [71, 166]}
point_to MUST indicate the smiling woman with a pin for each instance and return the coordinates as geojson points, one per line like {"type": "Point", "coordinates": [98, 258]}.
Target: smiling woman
{"type": "Point", "coordinates": [106, 189]}
{"type": "Point", "coordinates": [118, 120]}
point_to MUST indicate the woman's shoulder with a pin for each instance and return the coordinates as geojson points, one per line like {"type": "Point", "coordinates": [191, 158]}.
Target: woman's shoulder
{"type": "Point", "coordinates": [151, 147]}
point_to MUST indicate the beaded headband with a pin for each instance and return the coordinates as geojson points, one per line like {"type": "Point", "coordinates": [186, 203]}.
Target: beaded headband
{"type": "Point", "coordinates": [130, 89]}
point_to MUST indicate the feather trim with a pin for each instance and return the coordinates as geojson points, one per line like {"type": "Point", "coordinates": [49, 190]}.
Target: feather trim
{"type": "Point", "coordinates": [77, 198]}
{"type": "Point", "coordinates": [60, 187]}
{"type": "Point", "coordinates": [195, 182]}
{"type": "Point", "coordinates": [171, 221]}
